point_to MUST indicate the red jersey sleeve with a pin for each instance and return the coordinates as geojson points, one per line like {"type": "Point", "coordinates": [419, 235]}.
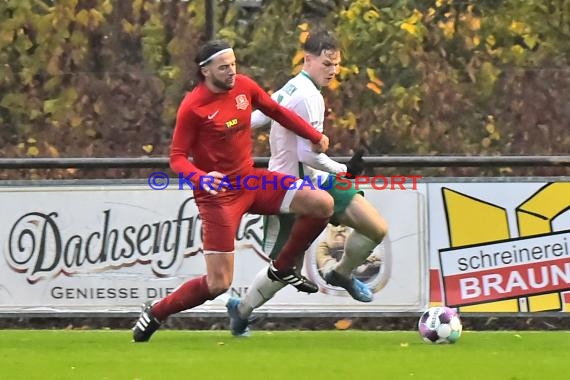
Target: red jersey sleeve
{"type": "Point", "coordinates": [182, 143]}
{"type": "Point", "coordinates": [282, 115]}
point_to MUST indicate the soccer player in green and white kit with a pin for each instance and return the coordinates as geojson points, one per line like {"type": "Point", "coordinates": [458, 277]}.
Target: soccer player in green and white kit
{"type": "Point", "coordinates": [293, 155]}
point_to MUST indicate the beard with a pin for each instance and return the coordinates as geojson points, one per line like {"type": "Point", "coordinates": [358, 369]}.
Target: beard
{"type": "Point", "coordinates": [223, 85]}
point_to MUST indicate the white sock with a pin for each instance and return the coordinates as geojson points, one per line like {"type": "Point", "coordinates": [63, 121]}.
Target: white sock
{"type": "Point", "coordinates": [357, 248]}
{"type": "Point", "coordinates": [262, 290]}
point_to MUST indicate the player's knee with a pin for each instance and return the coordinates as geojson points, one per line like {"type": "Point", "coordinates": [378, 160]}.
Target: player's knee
{"type": "Point", "coordinates": [315, 203]}
{"type": "Point", "coordinates": [325, 206]}
{"type": "Point", "coordinates": [379, 232]}
{"type": "Point", "coordinates": [375, 232]}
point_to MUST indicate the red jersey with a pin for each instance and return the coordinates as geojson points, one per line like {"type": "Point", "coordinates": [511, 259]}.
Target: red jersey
{"type": "Point", "coordinates": [215, 129]}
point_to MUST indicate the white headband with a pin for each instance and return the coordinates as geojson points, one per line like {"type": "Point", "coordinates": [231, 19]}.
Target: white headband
{"type": "Point", "coordinates": [214, 56]}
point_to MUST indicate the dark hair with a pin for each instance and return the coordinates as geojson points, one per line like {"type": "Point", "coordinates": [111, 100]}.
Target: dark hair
{"type": "Point", "coordinates": [319, 41]}
{"type": "Point", "coordinates": [207, 50]}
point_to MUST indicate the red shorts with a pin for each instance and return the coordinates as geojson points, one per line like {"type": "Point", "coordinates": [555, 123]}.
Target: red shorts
{"type": "Point", "coordinates": [261, 192]}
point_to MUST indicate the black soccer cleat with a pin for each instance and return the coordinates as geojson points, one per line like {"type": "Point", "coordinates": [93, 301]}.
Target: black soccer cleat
{"type": "Point", "coordinates": [146, 325]}
{"type": "Point", "coordinates": [291, 277]}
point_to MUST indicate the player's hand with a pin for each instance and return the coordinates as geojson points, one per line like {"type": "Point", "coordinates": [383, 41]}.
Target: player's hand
{"type": "Point", "coordinates": [355, 166]}
{"type": "Point", "coordinates": [322, 146]}
{"type": "Point", "coordinates": [212, 183]}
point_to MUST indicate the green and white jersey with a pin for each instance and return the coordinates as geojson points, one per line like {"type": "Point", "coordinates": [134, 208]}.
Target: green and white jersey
{"type": "Point", "coordinates": [288, 151]}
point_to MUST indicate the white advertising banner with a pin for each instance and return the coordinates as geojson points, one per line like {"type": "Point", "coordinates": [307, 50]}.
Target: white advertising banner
{"type": "Point", "coordinates": [500, 247]}
{"type": "Point", "coordinates": [110, 248]}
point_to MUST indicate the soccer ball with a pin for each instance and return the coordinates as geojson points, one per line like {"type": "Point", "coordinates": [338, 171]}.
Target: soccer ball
{"type": "Point", "coordinates": [440, 325]}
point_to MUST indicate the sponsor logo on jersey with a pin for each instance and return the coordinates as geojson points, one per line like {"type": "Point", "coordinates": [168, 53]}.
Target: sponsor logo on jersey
{"type": "Point", "coordinates": [231, 123]}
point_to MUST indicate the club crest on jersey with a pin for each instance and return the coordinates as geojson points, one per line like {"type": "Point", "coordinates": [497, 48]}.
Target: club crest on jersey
{"type": "Point", "coordinates": [241, 102]}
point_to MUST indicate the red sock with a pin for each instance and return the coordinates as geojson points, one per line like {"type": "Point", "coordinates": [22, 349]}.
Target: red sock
{"type": "Point", "coordinates": [188, 295]}
{"type": "Point", "coordinates": [304, 231]}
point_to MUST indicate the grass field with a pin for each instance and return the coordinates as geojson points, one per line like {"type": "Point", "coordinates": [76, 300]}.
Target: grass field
{"type": "Point", "coordinates": [353, 355]}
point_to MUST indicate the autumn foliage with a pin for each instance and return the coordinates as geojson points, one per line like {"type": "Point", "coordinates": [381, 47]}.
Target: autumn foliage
{"type": "Point", "coordinates": [103, 78]}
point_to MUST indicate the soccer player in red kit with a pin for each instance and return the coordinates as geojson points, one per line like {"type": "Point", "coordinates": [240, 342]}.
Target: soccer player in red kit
{"type": "Point", "coordinates": [213, 125]}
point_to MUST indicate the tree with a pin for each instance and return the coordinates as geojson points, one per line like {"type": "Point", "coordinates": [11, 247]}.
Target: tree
{"type": "Point", "coordinates": [104, 78]}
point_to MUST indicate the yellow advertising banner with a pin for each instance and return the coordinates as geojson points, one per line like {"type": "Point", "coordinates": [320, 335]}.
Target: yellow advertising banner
{"type": "Point", "coordinates": [500, 247]}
